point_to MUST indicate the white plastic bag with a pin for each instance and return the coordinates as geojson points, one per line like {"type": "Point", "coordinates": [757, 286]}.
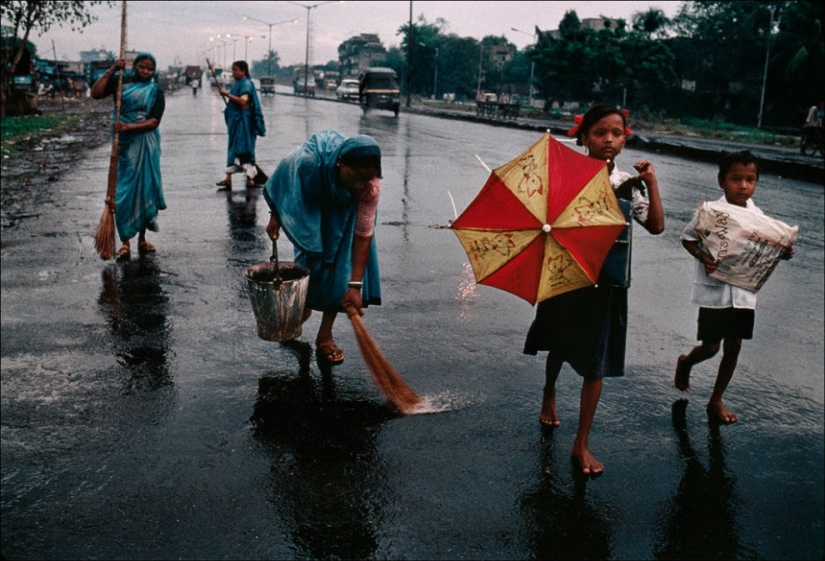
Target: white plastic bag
{"type": "Point", "coordinates": [748, 244]}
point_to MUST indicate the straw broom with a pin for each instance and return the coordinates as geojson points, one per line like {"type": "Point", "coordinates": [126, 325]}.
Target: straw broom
{"type": "Point", "coordinates": [105, 233]}
{"type": "Point", "coordinates": [389, 382]}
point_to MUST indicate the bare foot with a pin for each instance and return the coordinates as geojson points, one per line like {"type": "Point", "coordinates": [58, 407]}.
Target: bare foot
{"type": "Point", "coordinates": [718, 411]}
{"type": "Point", "coordinates": [588, 464]}
{"type": "Point", "coordinates": [548, 416]}
{"type": "Point", "coordinates": [682, 378]}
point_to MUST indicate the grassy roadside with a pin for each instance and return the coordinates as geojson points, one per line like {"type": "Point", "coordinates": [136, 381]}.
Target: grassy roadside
{"type": "Point", "coordinates": [656, 123]}
{"type": "Point", "coordinates": [18, 132]}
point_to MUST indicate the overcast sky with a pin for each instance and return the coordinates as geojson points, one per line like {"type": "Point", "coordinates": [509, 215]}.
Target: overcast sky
{"type": "Point", "coordinates": [180, 32]}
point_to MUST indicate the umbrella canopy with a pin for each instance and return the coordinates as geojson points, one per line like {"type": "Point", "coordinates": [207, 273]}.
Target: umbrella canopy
{"type": "Point", "coordinates": [543, 223]}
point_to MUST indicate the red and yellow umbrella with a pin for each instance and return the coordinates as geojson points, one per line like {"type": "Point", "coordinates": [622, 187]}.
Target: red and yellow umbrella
{"type": "Point", "coordinates": [543, 223]}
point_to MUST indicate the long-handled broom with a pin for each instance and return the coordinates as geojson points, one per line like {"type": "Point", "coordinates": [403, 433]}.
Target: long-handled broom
{"type": "Point", "coordinates": [389, 382]}
{"type": "Point", "coordinates": [105, 233]}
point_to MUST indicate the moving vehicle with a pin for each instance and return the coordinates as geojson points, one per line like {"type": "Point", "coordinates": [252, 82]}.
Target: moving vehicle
{"type": "Point", "coordinates": [303, 82]}
{"type": "Point", "coordinates": [379, 90]}
{"type": "Point", "coordinates": [348, 89]}
{"type": "Point", "coordinates": [267, 85]}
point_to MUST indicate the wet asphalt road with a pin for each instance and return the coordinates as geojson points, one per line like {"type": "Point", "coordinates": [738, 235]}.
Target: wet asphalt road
{"type": "Point", "coordinates": [143, 418]}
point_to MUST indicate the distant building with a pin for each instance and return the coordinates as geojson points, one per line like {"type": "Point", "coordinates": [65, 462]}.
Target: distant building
{"type": "Point", "coordinates": [596, 24]}
{"type": "Point", "coordinates": [501, 54]}
{"type": "Point", "coordinates": [96, 55]}
{"type": "Point", "coordinates": [361, 52]}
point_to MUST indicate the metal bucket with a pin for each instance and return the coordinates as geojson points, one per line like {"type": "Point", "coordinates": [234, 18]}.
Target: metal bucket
{"type": "Point", "coordinates": [278, 293]}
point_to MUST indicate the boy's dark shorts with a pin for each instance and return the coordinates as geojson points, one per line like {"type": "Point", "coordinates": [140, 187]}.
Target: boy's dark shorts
{"type": "Point", "coordinates": [716, 324]}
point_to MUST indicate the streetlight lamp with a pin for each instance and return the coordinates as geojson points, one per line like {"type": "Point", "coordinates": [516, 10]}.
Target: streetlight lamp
{"type": "Point", "coordinates": [532, 62]}
{"type": "Point", "coordinates": [268, 57]}
{"type": "Point", "coordinates": [247, 41]}
{"type": "Point", "coordinates": [306, 62]}
{"type": "Point", "coordinates": [435, 64]}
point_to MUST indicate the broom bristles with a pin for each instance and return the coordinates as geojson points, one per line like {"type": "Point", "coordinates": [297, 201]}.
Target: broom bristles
{"type": "Point", "coordinates": [389, 382]}
{"type": "Point", "coordinates": [105, 234]}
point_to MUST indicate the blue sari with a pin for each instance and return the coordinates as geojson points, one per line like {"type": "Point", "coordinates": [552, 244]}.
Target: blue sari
{"type": "Point", "coordinates": [244, 125]}
{"type": "Point", "coordinates": [318, 216]}
{"type": "Point", "coordinates": [139, 195]}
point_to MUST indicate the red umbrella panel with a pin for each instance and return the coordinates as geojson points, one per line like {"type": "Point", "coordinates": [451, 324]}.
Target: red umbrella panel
{"type": "Point", "coordinates": [543, 223]}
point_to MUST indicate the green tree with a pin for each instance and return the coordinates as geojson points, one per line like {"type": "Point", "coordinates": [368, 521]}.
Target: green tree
{"type": "Point", "coordinates": [262, 67]}
{"type": "Point", "coordinates": [25, 16]}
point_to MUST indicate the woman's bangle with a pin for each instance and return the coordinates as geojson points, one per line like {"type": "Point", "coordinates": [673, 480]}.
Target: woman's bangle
{"type": "Point", "coordinates": [356, 284]}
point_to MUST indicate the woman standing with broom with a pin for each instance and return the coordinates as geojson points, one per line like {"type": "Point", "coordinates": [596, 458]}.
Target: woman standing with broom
{"type": "Point", "coordinates": [139, 194]}
{"type": "Point", "coordinates": [325, 195]}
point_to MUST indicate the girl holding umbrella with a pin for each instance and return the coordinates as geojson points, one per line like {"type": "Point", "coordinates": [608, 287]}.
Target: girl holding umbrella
{"type": "Point", "coordinates": [592, 338]}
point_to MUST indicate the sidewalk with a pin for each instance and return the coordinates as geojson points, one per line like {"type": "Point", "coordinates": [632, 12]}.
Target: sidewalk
{"type": "Point", "coordinates": [785, 161]}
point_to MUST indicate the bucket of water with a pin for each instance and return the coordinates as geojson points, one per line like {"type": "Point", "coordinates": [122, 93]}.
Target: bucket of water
{"type": "Point", "coordinates": [278, 292]}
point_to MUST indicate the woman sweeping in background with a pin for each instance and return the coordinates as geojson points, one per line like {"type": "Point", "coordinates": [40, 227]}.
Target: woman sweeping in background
{"type": "Point", "coordinates": [139, 195]}
{"type": "Point", "coordinates": [244, 122]}
{"type": "Point", "coordinates": [325, 196]}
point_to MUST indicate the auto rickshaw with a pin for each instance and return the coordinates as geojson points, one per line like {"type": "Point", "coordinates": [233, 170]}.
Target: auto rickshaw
{"type": "Point", "coordinates": [268, 85]}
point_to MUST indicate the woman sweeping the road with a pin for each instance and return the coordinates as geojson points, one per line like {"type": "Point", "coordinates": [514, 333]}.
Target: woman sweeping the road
{"type": "Point", "coordinates": [325, 196]}
{"type": "Point", "coordinates": [139, 194]}
{"type": "Point", "coordinates": [244, 122]}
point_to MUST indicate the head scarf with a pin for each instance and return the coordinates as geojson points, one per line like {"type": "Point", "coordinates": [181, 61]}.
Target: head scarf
{"type": "Point", "coordinates": [133, 73]}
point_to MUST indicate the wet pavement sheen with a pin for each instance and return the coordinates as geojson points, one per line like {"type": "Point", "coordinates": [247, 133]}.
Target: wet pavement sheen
{"type": "Point", "coordinates": [143, 418]}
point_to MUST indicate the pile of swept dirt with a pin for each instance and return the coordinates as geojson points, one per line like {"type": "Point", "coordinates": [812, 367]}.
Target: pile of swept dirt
{"type": "Point", "coordinates": [43, 158]}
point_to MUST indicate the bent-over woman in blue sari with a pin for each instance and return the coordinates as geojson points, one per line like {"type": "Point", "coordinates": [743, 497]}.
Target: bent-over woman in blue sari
{"type": "Point", "coordinates": [139, 195]}
{"type": "Point", "coordinates": [244, 122]}
{"type": "Point", "coordinates": [324, 195]}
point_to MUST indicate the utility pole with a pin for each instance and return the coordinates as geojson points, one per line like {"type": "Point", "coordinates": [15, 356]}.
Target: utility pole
{"type": "Point", "coordinates": [409, 55]}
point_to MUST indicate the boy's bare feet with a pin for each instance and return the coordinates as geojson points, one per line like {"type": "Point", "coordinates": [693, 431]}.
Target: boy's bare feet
{"type": "Point", "coordinates": [588, 464]}
{"type": "Point", "coordinates": [682, 378]}
{"type": "Point", "coordinates": [548, 416]}
{"type": "Point", "coordinates": [718, 411]}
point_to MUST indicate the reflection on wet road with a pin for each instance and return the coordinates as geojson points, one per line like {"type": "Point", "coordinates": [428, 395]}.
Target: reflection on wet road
{"type": "Point", "coordinates": [144, 418]}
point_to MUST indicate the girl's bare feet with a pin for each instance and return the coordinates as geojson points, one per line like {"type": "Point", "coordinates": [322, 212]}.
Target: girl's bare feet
{"type": "Point", "coordinates": [548, 416]}
{"type": "Point", "coordinates": [718, 411]}
{"type": "Point", "coordinates": [586, 462]}
{"type": "Point", "coordinates": [682, 378]}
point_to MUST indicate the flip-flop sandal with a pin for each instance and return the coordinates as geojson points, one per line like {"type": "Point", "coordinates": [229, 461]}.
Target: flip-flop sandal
{"type": "Point", "coordinates": [125, 251]}
{"type": "Point", "coordinates": [145, 247]}
{"type": "Point", "coordinates": [329, 352]}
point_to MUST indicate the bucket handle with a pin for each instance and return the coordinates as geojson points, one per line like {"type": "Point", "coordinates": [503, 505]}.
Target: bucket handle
{"type": "Point", "coordinates": [274, 257]}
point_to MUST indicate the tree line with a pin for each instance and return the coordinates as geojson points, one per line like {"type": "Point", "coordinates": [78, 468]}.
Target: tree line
{"type": "Point", "coordinates": [747, 62]}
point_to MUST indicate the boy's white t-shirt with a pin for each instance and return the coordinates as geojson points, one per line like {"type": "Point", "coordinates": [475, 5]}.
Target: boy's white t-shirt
{"type": "Point", "coordinates": [711, 293]}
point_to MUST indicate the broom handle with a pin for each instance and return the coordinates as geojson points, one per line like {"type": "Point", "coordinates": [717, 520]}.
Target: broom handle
{"type": "Point", "coordinates": [215, 76]}
{"type": "Point", "coordinates": [112, 186]}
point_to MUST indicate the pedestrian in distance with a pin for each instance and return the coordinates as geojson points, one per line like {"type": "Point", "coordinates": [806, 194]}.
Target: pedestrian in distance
{"type": "Point", "coordinates": [726, 312]}
{"type": "Point", "coordinates": [324, 195]}
{"type": "Point", "coordinates": [195, 83]}
{"type": "Point", "coordinates": [139, 194]}
{"type": "Point", "coordinates": [244, 123]}
{"type": "Point", "coordinates": [812, 126]}
{"type": "Point", "coordinates": [587, 328]}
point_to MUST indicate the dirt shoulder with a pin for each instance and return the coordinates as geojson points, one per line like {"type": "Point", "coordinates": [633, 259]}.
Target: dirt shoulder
{"type": "Point", "coordinates": [42, 158]}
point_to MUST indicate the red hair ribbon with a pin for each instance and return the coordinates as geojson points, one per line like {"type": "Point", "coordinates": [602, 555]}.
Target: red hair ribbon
{"type": "Point", "coordinates": [626, 114]}
{"type": "Point", "coordinates": [578, 120]}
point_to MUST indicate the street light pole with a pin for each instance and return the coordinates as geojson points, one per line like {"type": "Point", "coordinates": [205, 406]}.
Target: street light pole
{"type": "Point", "coordinates": [268, 56]}
{"type": "Point", "coordinates": [765, 73]}
{"type": "Point", "coordinates": [306, 60]}
{"type": "Point", "coordinates": [532, 62]}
